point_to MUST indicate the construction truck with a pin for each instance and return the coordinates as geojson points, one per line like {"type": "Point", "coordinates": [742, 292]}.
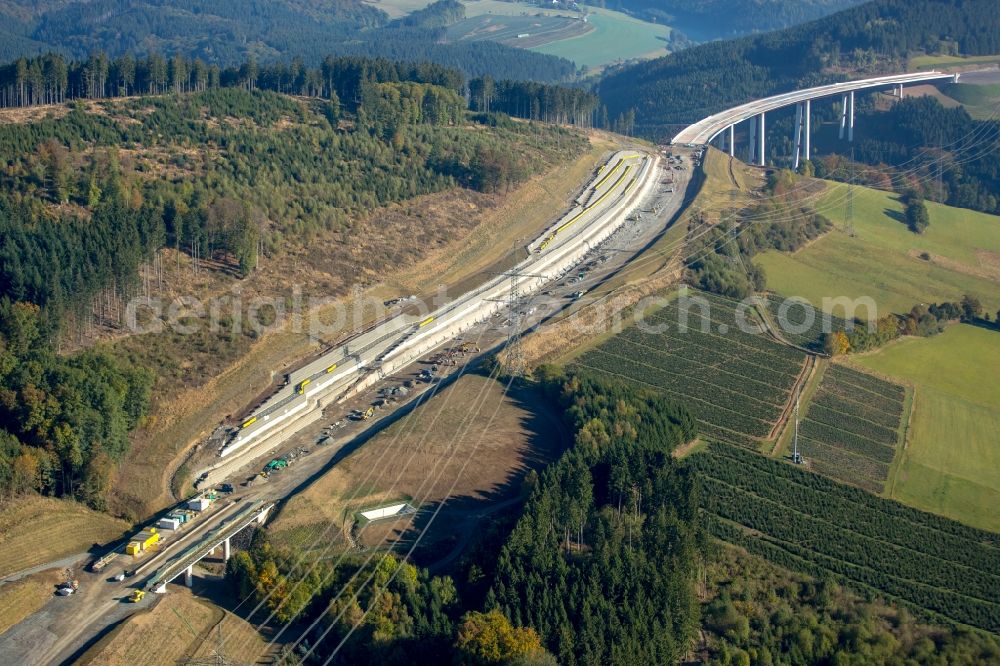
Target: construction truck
{"type": "Point", "coordinates": [368, 413]}
{"type": "Point", "coordinates": [277, 463]}
{"type": "Point", "coordinates": [136, 596]}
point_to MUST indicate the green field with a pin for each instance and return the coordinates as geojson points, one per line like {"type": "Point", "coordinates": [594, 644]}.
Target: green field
{"type": "Point", "coordinates": [882, 260]}
{"type": "Point", "coordinates": [979, 99]}
{"type": "Point", "coordinates": [919, 63]}
{"type": "Point", "coordinates": [615, 37]}
{"type": "Point", "coordinates": [951, 464]}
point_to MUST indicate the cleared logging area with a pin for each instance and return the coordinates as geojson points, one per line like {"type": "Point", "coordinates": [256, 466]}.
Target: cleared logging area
{"type": "Point", "coordinates": [808, 523]}
{"type": "Point", "coordinates": [737, 383]}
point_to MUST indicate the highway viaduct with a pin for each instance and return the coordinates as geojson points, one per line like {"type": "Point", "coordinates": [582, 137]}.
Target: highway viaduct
{"type": "Point", "coordinates": [253, 512]}
{"type": "Point", "coordinates": [724, 123]}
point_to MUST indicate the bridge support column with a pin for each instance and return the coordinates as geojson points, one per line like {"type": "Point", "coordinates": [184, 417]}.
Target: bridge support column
{"type": "Point", "coordinates": [189, 576]}
{"type": "Point", "coordinates": [807, 111]}
{"type": "Point", "coordinates": [732, 140]}
{"type": "Point", "coordinates": [798, 135]}
{"type": "Point", "coordinates": [226, 550]}
{"type": "Point", "coordinates": [843, 115]}
{"type": "Point", "coordinates": [761, 158]}
{"type": "Point", "coordinates": [899, 94]}
{"type": "Point", "coordinates": [850, 116]}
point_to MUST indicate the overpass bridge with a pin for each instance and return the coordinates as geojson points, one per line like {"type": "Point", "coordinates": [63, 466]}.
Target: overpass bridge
{"type": "Point", "coordinates": [708, 129]}
{"type": "Point", "coordinates": [203, 545]}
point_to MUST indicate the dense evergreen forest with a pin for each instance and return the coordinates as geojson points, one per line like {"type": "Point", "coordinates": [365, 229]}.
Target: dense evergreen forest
{"type": "Point", "coordinates": [227, 32]}
{"type": "Point", "coordinates": [534, 101]}
{"type": "Point", "coordinates": [754, 612]}
{"type": "Point", "coordinates": [51, 79]}
{"type": "Point", "coordinates": [920, 146]}
{"type": "Point", "coordinates": [601, 562]}
{"type": "Point", "coordinates": [872, 38]}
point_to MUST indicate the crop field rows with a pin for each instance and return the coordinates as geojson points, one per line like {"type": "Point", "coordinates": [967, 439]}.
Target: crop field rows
{"type": "Point", "coordinates": [808, 523]}
{"type": "Point", "coordinates": [805, 324]}
{"type": "Point", "coordinates": [851, 429]}
{"type": "Point", "coordinates": [737, 383]}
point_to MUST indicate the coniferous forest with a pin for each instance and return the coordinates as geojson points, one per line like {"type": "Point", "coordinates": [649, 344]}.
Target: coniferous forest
{"type": "Point", "coordinates": [946, 155]}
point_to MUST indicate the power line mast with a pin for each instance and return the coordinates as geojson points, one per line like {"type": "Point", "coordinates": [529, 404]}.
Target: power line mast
{"type": "Point", "coordinates": [796, 456]}
{"type": "Point", "coordinates": [515, 353]}
{"type": "Point", "coordinates": [216, 658]}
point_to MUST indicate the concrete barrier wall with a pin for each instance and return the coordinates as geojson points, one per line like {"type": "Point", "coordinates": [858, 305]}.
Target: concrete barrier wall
{"type": "Point", "coordinates": [384, 512]}
{"type": "Point", "coordinates": [477, 307]}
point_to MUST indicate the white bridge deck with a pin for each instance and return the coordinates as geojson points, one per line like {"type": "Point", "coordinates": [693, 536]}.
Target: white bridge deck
{"type": "Point", "coordinates": [705, 130]}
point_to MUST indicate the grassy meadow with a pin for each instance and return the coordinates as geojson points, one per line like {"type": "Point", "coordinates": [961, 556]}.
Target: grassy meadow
{"type": "Point", "coordinates": [615, 37]}
{"type": "Point", "coordinates": [925, 62]}
{"type": "Point", "coordinates": [883, 259]}
{"type": "Point", "coordinates": [951, 462]}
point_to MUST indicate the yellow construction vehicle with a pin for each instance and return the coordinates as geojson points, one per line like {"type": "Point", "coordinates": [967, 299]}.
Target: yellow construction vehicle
{"type": "Point", "coordinates": [368, 413]}
{"type": "Point", "coordinates": [136, 596]}
{"type": "Point", "coordinates": [301, 388]}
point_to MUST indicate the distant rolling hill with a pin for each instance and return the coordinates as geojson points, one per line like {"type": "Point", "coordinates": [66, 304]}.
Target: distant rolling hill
{"type": "Point", "coordinates": [230, 31]}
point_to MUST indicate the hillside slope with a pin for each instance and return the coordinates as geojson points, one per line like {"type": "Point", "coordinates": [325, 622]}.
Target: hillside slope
{"type": "Point", "coordinates": [227, 195]}
{"type": "Point", "coordinates": [225, 32]}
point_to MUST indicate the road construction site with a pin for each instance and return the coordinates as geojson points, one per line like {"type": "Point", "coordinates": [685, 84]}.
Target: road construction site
{"type": "Point", "coordinates": [394, 367]}
{"type": "Point", "coordinates": [619, 187]}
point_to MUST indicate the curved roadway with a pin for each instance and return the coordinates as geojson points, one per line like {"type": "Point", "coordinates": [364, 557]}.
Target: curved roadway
{"type": "Point", "coordinates": [703, 131]}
